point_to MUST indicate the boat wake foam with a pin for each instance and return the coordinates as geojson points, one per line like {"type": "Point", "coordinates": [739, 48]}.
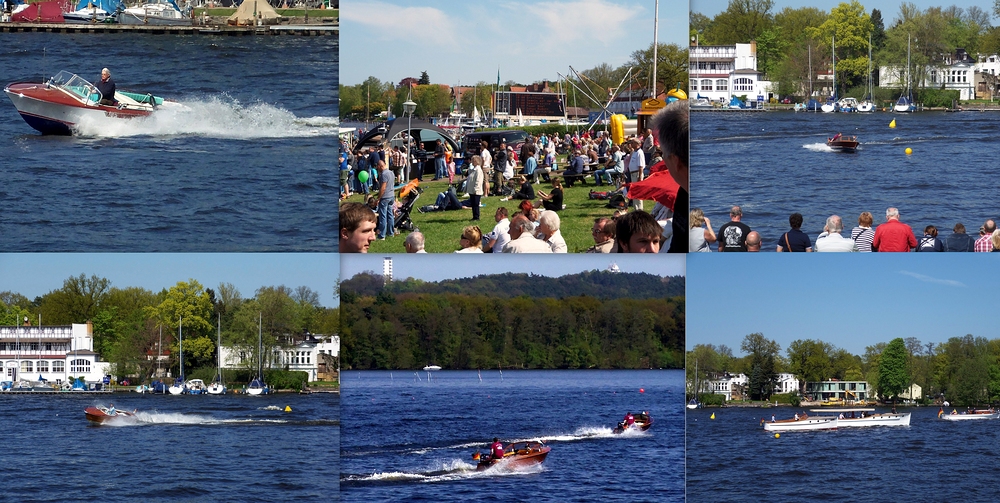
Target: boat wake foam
{"type": "Point", "coordinates": [175, 418]}
{"type": "Point", "coordinates": [214, 117]}
{"type": "Point", "coordinates": [818, 147]}
{"type": "Point", "coordinates": [445, 471]}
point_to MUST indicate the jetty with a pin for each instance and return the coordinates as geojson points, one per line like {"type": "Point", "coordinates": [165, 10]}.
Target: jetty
{"type": "Point", "coordinates": [318, 29]}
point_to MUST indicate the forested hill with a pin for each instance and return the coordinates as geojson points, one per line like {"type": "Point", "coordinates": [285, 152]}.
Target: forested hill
{"type": "Point", "coordinates": [600, 284]}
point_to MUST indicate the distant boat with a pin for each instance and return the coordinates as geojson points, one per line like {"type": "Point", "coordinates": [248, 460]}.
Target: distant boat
{"type": "Point", "coordinates": [432, 367]}
{"type": "Point", "coordinates": [178, 387]}
{"type": "Point", "coordinates": [258, 386]}
{"type": "Point", "coordinates": [218, 387]}
{"type": "Point", "coordinates": [831, 105]}
{"type": "Point", "coordinates": [196, 387]}
{"type": "Point", "coordinates": [857, 417]}
{"type": "Point", "coordinates": [867, 103]}
{"type": "Point", "coordinates": [905, 102]}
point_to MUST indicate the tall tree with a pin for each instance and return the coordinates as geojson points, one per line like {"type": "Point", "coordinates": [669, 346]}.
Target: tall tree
{"type": "Point", "coordinates": [424, 79]}
{"type": "Point", "coordinates": [850, 25]}
{"type": "Point", "coordinates": [77, 301]}
{"type": "Point", "coordinates": [741, 22]}
{"type": "Point", "coordinates": [893, 371]}
{"type": "Point", "coordinates": [763, 375]}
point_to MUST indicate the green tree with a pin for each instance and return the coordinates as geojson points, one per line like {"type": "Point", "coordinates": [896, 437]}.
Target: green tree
{"type": "Point", "coordinates": [671, 66]}
{"type": "Point", "coordinates": [76, 302]}
{"type": "Point", "coordinates": [762, 370]}
{"type": "Point", "coordinates": [741, 22]}
{"type": "Point", "coordinates": [849, 25]}
{"type": "Point", "coordinates": [424, 79]}
{"type": "Point", "coordinates": [893, 371]}
{"type": "Point", "coordinates": [12, 314]}
{"type": "Point", "coordinates": [188, 304]}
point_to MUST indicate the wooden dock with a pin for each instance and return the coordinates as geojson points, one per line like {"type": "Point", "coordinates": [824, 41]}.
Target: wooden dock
{"type": "Point", "coordinates": [222, 30]}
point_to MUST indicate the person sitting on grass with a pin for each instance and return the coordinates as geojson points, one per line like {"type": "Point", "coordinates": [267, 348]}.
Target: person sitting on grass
{"type": "Point", "coordinates": [638, 232]}
{"type": "Point", "coordinates": [521, 240]}
{"type": "Point", "coordinates": [551, 201]}
{"type": "Point", "coordinates": [548, 231]}
{"type": "Point", "coordinates": [526, 191]}
{"type": "Point", "coordinates": [575, 170]}
{"type": "Point", "coordinates": [446, 201]}
{"type": "Point", "coordinates": [471, 240]}
{"type": "Point", "coordinates": [495, 240]}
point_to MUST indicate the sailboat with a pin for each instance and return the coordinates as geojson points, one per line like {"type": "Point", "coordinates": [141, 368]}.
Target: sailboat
{"type": "Point", "coordinates": [218, 387]}
{"type": "Point", "coordinates": [693, 403]}
{"type": "Point", "coordinates": [178, 387]}
{"type": "Point", "coordinates": [831, 106]}
{"type": "Point", "coordinates": [867, 103]}
{"type": "Point", "coordinates": [257, 386]}
{"type": "Point", "coordinates": [905, 101]}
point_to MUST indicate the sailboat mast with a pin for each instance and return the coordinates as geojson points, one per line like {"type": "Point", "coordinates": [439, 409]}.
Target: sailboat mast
{"type": "Point", "coordinates": [260, 346]}
{"type": "Point", "coordinates": [656, 23]}
{"type": "Point", "coordinates": [833, 58]}
{"type": "Point", "coordinates": [180, 344]}
{"type": "Point", "coordinates": [219, 346]}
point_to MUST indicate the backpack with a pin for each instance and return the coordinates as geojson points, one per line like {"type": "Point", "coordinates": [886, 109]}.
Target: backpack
{"type": "Point", "coordinates": [617, 201]}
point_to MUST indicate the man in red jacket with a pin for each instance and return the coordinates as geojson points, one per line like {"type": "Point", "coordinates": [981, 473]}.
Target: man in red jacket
{"type": "Point", "coordinates": [893, 235]}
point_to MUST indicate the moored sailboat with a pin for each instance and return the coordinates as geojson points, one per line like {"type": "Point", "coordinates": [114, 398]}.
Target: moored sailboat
{"type": "Point", "coordinates": [867, 104]}
{"type": "Point", "coordinates": [178, 387]}
{"type": "Point", "coordinates": [257, 386]}
{"type": "Point", "coordinates": [905, 102]}
{"type": "Point", "coordinates": [218, 387]}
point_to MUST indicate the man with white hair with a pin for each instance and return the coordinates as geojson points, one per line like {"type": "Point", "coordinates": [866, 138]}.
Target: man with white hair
{"type": "Point", "coordinates": [831, 240]}
{"type": "Point", "coordinates": [521, 240]}
{"type": "Point", "coordinates": [107, 88]}
{"type": "Point", "coordinates": [893, 235]}
{"type": "Point", "coordinates": [414, 242]}
{"type": "Point", "coordinates": [548, 230]}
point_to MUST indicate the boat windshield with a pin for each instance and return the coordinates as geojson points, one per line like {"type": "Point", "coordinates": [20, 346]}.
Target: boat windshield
{"type": "Point", "coordinates": [76, 86]}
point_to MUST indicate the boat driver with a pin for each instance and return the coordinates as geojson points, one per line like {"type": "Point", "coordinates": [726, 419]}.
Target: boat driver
{"type": "Point", "coordinates": [107, 88]}
{"type": "Point", "coordinates": [111, 410]}
{"type": "Point", "coordinates": [496, 448]}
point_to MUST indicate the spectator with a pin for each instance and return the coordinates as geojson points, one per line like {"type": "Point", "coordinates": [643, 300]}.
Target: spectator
{"type": "Point", "coordinates": [995, 240]}
{"type": "Point", "coordinates": [387, 198]}
{"type": "Point", "coordinates": [959, 241]}
{"type": "Point", "coordinates": [552, 201]}
{"type": "Point", "coordinates": [604, 235]}
{"type": "Point", "coordinates": [930, 241]}
{"type": "Point", "coordinates": [638, 232]}
{"type": "Point", "coordinates": [521, 240]}
{"type": "Point", "coordinates": [500, 235]}
{"type": "Point", "coordinates": [548, 230]}
{"type": "Point", "coordinates": [733, 234]}
{"type": "Point", "coordinates": [753, 241]}
{"type": "Point", "coordinates": [414, 242]}
{"type": "Point", "coordinates": [471, 240]}
{"type": "Point", "coordinates": [985, 243]}
{"type": "Point", "coordinates": [863, 233]}
{"type": "Point", "coordinates": [671, 123]}
{"type": "Point", "coordinates": [357, 228]}
{"type": "Point", "coordinates": [831, 240]}
{"type": "Point", "coordinates": [700, 238]}
{"type": "Point", "coordinates": [893, 235]}
{"type": "Point", "coordinates": [795, 240]}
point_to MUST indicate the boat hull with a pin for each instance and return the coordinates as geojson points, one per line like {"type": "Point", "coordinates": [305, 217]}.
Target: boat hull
{"type": "Point", "coordinates": [216, 389]}
{"type": "Point", "coordinates": [516, 460]}
{"type": "Point", "coordinates": [887, 419]}
{"type": "Point", "coordinates": [843, 145]}
{"type": "Point", "coordinates": [969, 417]}
{"type": "Point", "coordinates": [807, 424]}
{"type": "Point", "coordinates": [51, 111]}
{"type": "Point", "coordinates": [100, 414]}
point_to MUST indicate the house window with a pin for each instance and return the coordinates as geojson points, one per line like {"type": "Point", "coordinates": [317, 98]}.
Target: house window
{"type": "Point", "coordinates": [59, 366]}
{"type": "Point", "coordinates": [711, 66]}
{"type": "Point", "coordinates": [702, 65]}
{"type": "Point", "coordinates": [693, 84]}
{"type": "Point", "coordinates": [743, 84]}
{"type": "Point", "coordinates": [79, 366]}
{"type": "Point", "coordinates": [933, 75]}
{"type": "Point", "coordinates": [26, 366]}
{"type": "Point", "coordinates": [721, 85]}
{"type": "Point", "coordinates": [43, 366]}
{"type": "Point", "coordinates": [706, 85]}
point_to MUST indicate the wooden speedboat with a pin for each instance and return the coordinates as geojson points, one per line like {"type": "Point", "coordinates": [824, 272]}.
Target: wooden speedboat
{"type": "Point", "coordinates": [971, 414]}
{"type": "Point", "coordinates": [515, 455]}
{"type": "Point", "coordinates": [802, 423]}
{"type": "Point", "coordinates": [857, 417]}
{"type": "Point", "coordinates": [642, 423]}
{"type": "Point", "coordinates": [843, 143]}
{"type": "Point", "coordinates": [101, 414]}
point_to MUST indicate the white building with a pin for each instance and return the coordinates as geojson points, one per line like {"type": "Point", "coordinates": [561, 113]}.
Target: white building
{"type": "Point", "coordinates": [987, 72]}
{"type": "Point", "coordinates": [312, 354]}
{"type": "Point", "coordinates": [734, 385]}
{"type": "Point", "coordinates": [955, 72]}
{"type": "Point", "coordinates": [53, 353]}
{"type": "Point", "coordinates": [719, 72]}
{"type": "Point", "coordinates": [914, 393]}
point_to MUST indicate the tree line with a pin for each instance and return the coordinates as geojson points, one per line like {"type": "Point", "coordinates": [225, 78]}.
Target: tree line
{"type": "Point", "coordinates": [128, 321]}
{"type": "Point", "coordinates": [963, 370]}
{"type": "Point", "coordinates": [787, 40]}
{"type": "Point", "coordinates": [399, 329]}
{"type": "Point", "coordinates": [364, 101]}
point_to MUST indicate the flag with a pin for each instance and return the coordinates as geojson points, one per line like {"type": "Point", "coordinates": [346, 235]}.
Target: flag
{"type": "Point", "coordinates": [498, 78]}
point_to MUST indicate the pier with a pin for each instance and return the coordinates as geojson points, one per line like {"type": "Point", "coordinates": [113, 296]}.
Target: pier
{"type": "Point", "coordinates": [223, 30]}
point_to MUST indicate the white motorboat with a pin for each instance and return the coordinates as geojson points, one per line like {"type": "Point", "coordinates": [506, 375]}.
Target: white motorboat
{"type": "Point", "coordinates": [858, 417]}
{"type": "Point", "coordinates": [158, 13]}
{"type": "Point", "coordinates": [432, 367]}
{"type": "Point", "coordinates": [93, 11]}
{"type": "Point", "coordinates": [196, 387]}
{"type": "Point", "coordinates": [802, 423]}
{"type": "Point", "coordinates": [969, 415]}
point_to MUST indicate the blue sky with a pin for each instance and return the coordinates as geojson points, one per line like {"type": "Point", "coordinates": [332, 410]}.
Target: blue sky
{"type": "Point", "coordinates": [457, 41]}
{"type": "Point", "coordinates": [849, 300]}
{"type": "Point", "coordinates": [437, 267]}
{"type": "Point", "coordinates": [35, 274]}
{"type": "Point", "coordinates": [889, 8]}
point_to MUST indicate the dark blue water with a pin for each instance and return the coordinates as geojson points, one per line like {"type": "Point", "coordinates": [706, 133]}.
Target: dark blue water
{"type": "Point", "coordinates": [411, 440]}
{"type": "Point", "coordinates": [178, 448]}
{"type": "Point", "coordinates": [248, 167]}
{"type": "Point", "coordinates": [774, 164]}
{"type": "Point", "coordinates": [732, 458]}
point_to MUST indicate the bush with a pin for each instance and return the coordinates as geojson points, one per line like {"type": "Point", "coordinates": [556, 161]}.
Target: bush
{"type": "Point", "coordinates": [711, 399]}
{"type": "Point", "coordinates": [787, 398]}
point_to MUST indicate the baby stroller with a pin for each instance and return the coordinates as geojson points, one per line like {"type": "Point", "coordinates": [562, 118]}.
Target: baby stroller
{"type": "Point", "coordinates": [408, 196]}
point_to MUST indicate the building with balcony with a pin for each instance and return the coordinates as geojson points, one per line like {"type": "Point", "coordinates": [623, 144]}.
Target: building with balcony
{"type": "Point", "coordinates": [719, 72]}
{"type": "Point", "coordinates": [52, 353]}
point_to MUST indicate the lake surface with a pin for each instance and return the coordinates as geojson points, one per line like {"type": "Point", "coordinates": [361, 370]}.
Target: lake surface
{"type": "Point", "coordinates": [177, 448]}
{"type": "Point", "coordinates": [248, 166]}
{"type": "Point", "coordinates": [732, 458]}
{"type": "Point", "coordinates": [407, 437]}
{"type": "Point", "coordinates": [773, 164]}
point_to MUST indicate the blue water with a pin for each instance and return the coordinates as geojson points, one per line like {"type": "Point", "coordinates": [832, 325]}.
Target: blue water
{"type": "Point", "coordinates": [178, 448]}
{"type": "Point", "coordinates": [410, 438]}
{"type": "Point", "coordinates": [731, 458]}
{"type": "Point", "coordinates": [248, 167]}
{"type": "Point", "coordinates": [774, 164]}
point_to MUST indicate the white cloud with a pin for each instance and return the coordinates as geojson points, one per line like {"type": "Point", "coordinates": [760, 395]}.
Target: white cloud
{"type": "Point", "coordinates": [586, 19]}
{"type": "Point", "coordinates": [928, 279]}
{"type": "Point", "coordinates": [414, 25]}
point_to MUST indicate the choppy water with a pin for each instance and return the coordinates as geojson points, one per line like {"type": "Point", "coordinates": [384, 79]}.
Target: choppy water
{"type": "Point", "coordinates": [774, 164]}
{"type": "Point", "coordinates": [731, 458]}
{"type": "Point", "coordinates": [177, 448]}
{"type": "Point", "coordinates": [407, 438]}
{"type": "Point", "coordinates": [247, 166]}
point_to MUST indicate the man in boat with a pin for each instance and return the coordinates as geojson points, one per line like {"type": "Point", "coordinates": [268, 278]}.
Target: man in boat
{"type": "Point", "coordinates": [629, 420]}
{"type": "Point", "coordinates": [496, 449]}
{"type": "Point", "coordinates": [111, 410]}
{"type": "Point", "coordinates": [836, 137]}
{"type": "Point", "coordinates": [107, 88]}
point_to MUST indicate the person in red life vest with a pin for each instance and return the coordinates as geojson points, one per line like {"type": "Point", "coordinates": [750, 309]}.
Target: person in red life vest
{"type": "Point", "coordinates": [629, 420]}
{"type": "Point", "coordinates": [496, 448]}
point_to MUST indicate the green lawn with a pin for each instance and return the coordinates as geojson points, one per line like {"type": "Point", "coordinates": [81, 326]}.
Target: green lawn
{"type": "Point", "coordinates": [442, 229]}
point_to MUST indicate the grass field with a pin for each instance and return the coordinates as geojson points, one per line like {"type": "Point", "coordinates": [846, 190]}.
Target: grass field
{"type": "Point", "coordinates": [442, 229]}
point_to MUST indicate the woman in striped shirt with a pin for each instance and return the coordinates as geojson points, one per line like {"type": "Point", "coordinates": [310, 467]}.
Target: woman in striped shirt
{"type": "Point", "coordinates": [863, 234]}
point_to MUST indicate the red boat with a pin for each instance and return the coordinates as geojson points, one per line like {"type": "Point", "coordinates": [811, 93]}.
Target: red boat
{"type": "Point", "coordinates": [843, 143]}
{"type": "Point", "coordinates": [517, 454]}
{"type": "Point", "coordinates": [100, 414]}
{"type": "Point", "coordinates": [642, 423]}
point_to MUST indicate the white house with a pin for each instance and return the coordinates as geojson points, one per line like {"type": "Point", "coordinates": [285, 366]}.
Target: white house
{"type": "Point", "coordinates": [733, 385]}
{"type": "Point", "coordinates": [954, 72]}
{"type": "Point", "coordinates": [53, 353]}
{"type": "Point", "coordinates": [310, 354]}
{"type": "Point", "coordinates": [719, 72]}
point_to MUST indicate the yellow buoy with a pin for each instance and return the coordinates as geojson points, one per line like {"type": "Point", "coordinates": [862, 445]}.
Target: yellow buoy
{"type": "Point", "coordinates": [777, 435]}
{"type": "Point", "coordinates": [288, 408]}
{"type": "Point", "coordinates": [909, 150]}
{"type": "Point", "coordinates": [712, 416]}
{"type": "Point", "coordinates": [892, 124]}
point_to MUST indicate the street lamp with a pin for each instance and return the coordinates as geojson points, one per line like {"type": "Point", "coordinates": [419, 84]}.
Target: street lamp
{"type": "Point", "coordinates": [408, 108]}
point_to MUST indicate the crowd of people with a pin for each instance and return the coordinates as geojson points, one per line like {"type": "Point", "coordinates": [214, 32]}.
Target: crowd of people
{"type": "Point", "coordinates": [891, 236]}
{"type": "Point", "coordinates": [534, 226]}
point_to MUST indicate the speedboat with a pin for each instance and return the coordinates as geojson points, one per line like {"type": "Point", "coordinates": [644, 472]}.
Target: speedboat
{"type": "Point", "coordinates": [847, 105]}
{"type": "Point", "coordinates": [642, 423]}
{"type": "Point", "coordinates": [843, 143]}
{"type": "Point", "coordinates": [101, 414]}
{"type": "Point", "coordinates": [57, 105]}
{"type": "Point", "coordinates": [802, 423]}
{"type": "Point", "coordinates": [856, 417]}
{"type": "Point", "coordinates": [196, 387]}
{"type": "Point", "coordinates": [971, 414]}
{"type": "Point", "coordinates": [515, 455]}
{"type": "Point", "coordinates": [432, 367]}
{"type": "Point", "coordinates": [158, 13]}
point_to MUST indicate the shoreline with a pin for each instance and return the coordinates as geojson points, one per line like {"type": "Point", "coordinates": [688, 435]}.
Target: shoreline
{"type": "Point", "coordinates": [292, 28]}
